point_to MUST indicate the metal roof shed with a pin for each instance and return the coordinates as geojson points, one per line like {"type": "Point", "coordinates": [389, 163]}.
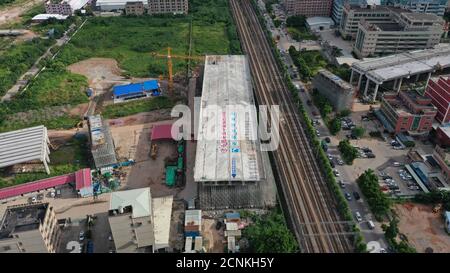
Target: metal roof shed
{"type": "Point", "coordinates": [25, 145]}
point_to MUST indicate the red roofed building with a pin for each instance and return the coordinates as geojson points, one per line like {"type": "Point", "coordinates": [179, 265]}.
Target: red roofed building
{"type": "Point", "coordinates": [162, 132]}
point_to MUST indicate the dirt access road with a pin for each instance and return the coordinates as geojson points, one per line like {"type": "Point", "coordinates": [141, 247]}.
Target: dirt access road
{"type": "Point", "coordinates": [423, 228]}
{"type": "Point", "coordinates": [11, 14]}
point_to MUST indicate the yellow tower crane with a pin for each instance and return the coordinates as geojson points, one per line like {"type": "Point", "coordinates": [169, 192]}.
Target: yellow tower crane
{"type": "Point", "coordinates": [169, 57]}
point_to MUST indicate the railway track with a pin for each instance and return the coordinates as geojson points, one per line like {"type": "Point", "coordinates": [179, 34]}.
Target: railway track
{"type": "Point", "coordinates": [310, 204]}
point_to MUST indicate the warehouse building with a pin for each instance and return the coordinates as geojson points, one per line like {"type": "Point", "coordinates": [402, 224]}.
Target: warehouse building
{"type": "Point", "coordinates": [64, 7]}
{"type": "Point", "coordinates": [308, 8]}
{"type": "Point", "coordinates": [29, 229]}
{"type": "Point", "coordinates": [102, 143]}
{"type": "Point", "coordinates": [230, 168]}
{"type": "Point", "coordinates": [25, 146]}
{"type": "Point", "coordinates": [339, 92]}
{"type": "Point", "coordinates": [122, 93]}
{"type": "Point", "coordinates": [140, 223]}
{"type": "Point", "coordinates": [319, 23]}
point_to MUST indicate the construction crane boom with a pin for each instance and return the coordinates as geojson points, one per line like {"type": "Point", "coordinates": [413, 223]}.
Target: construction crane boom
{"type": "Point", "coordinates": [169, 57]}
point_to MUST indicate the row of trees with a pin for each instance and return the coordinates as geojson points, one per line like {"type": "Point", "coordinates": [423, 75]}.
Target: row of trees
{"type": "Point", "coordinates": [391, 232]}
{"type": "Point", "coordinates": [269, 234]}
{"type": "Point", "coordinates": [434, 197]}
{"type": "Point", "coordinates": [349, 153]}
{"type": "Point", "coordinates": [379, 203]}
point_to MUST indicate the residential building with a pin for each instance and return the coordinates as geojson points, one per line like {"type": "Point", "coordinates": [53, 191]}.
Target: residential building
{"type": "Point", "coordinates": [406, 111]}
{"type": "Point", "coordinates": [404, 32]}
{"type": "Point", "coordinates": [443, 135]}
{"type": "Point", "coordinates": [168, 6]}
{"type": "Point", "coordinates": [308, 8]}
{"type": "Point", "coordinates": [439, 92]}
{"type": "Point", "coordinates": [29, 229]}
{"type": "Point", "coordinates": [134, 8]}
{"type": "Point", "coordinates": [140, 223]}
{"type": "Point", "coordinates": [339, 92]}
{"type": "Point", "coordinates": [64, 7]}
{"type": "Point", "coordinates": [423, 6]}
{"type": "Point", "coordinates": [338, 8]}
{"type": "Point", "coordinates": [115, 5]}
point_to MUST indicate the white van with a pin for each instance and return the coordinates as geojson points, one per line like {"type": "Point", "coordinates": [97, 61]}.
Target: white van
{"type": "Point", "coordinates": [370, 224]}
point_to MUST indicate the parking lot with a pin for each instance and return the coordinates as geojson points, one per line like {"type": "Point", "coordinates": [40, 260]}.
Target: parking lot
{"type": "Point", "coordinates": [397, 181]}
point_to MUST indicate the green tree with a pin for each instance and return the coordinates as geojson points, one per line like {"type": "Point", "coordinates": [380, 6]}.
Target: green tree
{"type": "Point", "coordinates": [269, 234]}
{"type": "Point", "coordinates": [297, 21]}
{"type": "Point", "coordinates": [358, 131]}
{"type": "Point", "coordinates": [335, 126]}
{"type": "Point", "coordinates": [345, 113]}
{"type": "Point", "coordinates": [349, 153]}
{"type": "Point", "coordinates": [379, 203]}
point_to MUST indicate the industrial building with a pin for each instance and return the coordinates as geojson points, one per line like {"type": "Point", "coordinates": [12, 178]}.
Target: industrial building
{"type": "Point", "coordinates": [319, 23]}
{"type": "Point", "coordinates": [28, 145]}
{"type": "Point", "coordinates": [134, 8]}
{"type": "Point", "coordinates": [64, 7]}
{"type": "Point", "coordinates": [168, 6]}
{"type": "Point", "coordinates": [406, 111]}
{"type": "Point", "coordinates": [29, 229]}
{"type": "Point", "coordinates": [439, 91]}
{"type": "Point", "coordinates": [392, 71]}
{"type": "Point", "coordinates": [443, 134]}
{"type": "Point", "coordinates": [102, 144]}
{"type": "Point", "coordinates": [140, 223]}
{"type": "Point", "coordinates": [308, 8]}
{"type": "Point", "coordinates": [339, 92]}
{"type": "Point", "coordinates": [406, 31]}
{"type": "Point", "coordinates": [229, 166]}
{"type": "Point", "coordinates": [43, 17]}
{"type": "Point", "coordinates": [338, 8]}
{"type": "Point", "coordinates": [447, 221]}
{"type": "Point", "coordinates": [122, 93]}
{"type": "Point", "coordinates": [150, 6]}
{"type": "Point", "coordinates": [423, 6]}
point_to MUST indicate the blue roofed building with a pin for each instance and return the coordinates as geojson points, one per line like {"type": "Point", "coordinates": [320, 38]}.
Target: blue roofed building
{"type": "Point", "coordinates": [447, 221]}
{"type": "Point", "coordinates": [123, 93]}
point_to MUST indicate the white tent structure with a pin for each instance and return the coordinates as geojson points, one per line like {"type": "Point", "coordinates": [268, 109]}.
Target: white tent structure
{"type": "Point", "coordinates": [26, 145]}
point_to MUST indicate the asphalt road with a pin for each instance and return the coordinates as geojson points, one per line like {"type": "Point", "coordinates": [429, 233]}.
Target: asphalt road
{"type": "Point", "coordinates": [360, 205]}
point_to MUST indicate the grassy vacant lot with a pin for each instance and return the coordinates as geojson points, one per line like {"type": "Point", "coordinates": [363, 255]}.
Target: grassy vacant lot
{"type": "Point", "coordinates": [68, 158]}
{"type": "Point", "coordinates": [137, 106]}
{"type": "Point", "coordinates": [130, 40]}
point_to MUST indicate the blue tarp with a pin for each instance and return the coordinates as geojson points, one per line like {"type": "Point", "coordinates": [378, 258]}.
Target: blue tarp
{"type": "Point", "coordinates": [231, 215]}
{"type": "Point", "coordinates": [129, 89]}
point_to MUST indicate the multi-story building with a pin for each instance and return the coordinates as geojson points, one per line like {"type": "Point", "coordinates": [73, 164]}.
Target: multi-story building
{"type": "Point", "coordinates": [337, 91]}
{"type": "Point", "coordinates": [134, 8]}
{"type": "Point", "coordinates": [30, 229]}
{"type": "Point", "coordinates": [423, 6]}
{"type": "Point", "coordinates": [442, 157]}
{"type": "Point", "coordinates": [64, 7]}
{"type": "Point", "coordinates": [168, 6]}
{"type": "Point", "coordinates": [308, 8]}
{"type": "Point", "coordinates": [439, 91]}
{"type": "Point", "coordinates": [407, 111]}
{"type": "Point", "coordinates": [338, 8]}
{"type": "Point", "coordinates": [138, 222]}
{"type": "Point", "coordinates": [405, 31]}
{"type": "Point", "coordinates": [352, 15]}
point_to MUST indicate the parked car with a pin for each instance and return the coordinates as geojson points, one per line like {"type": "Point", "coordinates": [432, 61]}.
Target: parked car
{"type": "Point", "coordinates": [340, 162]}
{"type": "Point", "coordinates": [370, 155]}
{"type": "Point", "coordinates": [372, 226]}
{"type": "Point", "coordinates": [348, 196]}
{"type": "Point", "coordinates": [396, 164]}
{"type": "Point", "coordinates": [342, 184]}
{"type": "Point", "coordinates": [358, 216]}
{"type": "Point", "coordinates": [327, 140]}
{"type": "Point", "coordinates": [336, 173]}
{"type": "Point", "coordinates": [356, 195]}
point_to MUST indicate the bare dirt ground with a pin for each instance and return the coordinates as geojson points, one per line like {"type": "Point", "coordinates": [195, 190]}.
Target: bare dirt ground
{"type": "Point", "coordinates": [133, 141]}
{"type": "Point", "coordinates": [177, 226]}
{"type": "Point", "coordinates": [102, 73]}
{"type": "Point", "coordinates": [423, 228]}
{"type": "Point", "coordinates": [12, 13]}
{"type": "Point", "coordinates": [213, 239]}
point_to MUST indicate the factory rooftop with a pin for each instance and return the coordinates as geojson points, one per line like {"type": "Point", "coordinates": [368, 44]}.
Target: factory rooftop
{"type": "Point", "coordinates": [102, 144]}
{"type": "Point", "coordinates": [231, 152]}
{"type": "Point", "coordinates": [22, 218]}
{"type": "Point", "coordinates": [404, 64]}
{"type": "Point", "coordinates": [25, 145]}
{"type": "Point", "coordinates": [138, 199]}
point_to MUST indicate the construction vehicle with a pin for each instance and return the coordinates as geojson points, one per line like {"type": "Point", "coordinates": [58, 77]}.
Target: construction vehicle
{"type": "Point", "coordinates": [169, 57]}
{"type": "Point", "coordinates": [154, 151]}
